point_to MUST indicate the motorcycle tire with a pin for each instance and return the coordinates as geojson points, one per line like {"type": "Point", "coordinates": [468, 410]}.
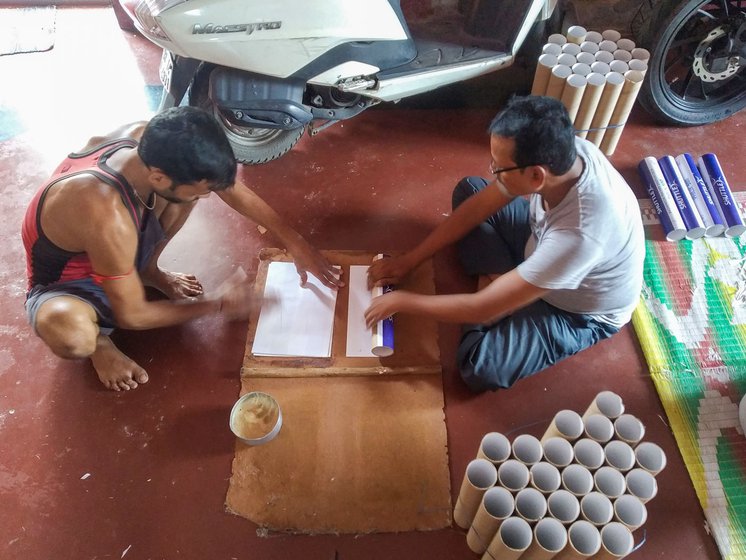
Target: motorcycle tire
{"type": "Point", "coordinates": [695, 75]}
{"type": "Point", "coordinates": [251, 145]}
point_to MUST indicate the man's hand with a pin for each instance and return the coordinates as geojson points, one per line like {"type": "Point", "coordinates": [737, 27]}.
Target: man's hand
{"type": "Point", "coordinates": [389, 271]}
{"type": "Point", "coordinates": [383, 307]}
{"type": "Point", "coordinates": [307, 259]}
{"type": "Point", "coordinates": [236, 297]}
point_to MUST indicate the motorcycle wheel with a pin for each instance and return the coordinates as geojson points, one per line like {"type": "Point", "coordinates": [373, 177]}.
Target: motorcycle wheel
{"type": "Point", "coordinates": [251, 145]}
{"type": "Point", "coordinates": [697, 68]}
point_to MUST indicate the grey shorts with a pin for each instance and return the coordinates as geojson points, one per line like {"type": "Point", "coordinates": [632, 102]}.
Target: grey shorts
{"type": "Point", "coordinates": [85, 289]}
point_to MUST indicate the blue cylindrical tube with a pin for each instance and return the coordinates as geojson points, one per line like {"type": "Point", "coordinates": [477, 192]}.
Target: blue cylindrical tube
{"type": "Point", "coordinates": [714, 177]}
{"type": "Point", "coordinates": [692, 222]}
{"type": "Point", "coordinates": [382, 343]}
{"type": "Point", "coordinates": [701, 196]}
{"type": "Point", "coordinates": [663, 202]}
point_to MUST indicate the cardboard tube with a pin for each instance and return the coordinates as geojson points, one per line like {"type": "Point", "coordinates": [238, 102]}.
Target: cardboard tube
{"type": "Point", "coordinates": [558, 451]}
{"type": "Point", "coordinates": [550, 537]}
{"type": "Point", "coordinates": [607, 403]}
{"type": "Point", "coordinates": [640, 53]}
{"type": "Point", "coordinates": [693, 223]}
{"type": "Point", "coordinates": [594, 36]}
{"type": "Point", "coordinates": [604, 56]}
{"type": "Point", "coordinates": [599, 428]}
{"type": "Point", "coordinates": [619, 66]}
{"type": "Point", "coordinates": [513, 475]}
{"type": "Point", "coordinates": [611, 35]}
{"type": "Point", "coordinates": [581, 68]}
{"type": "Point", "coordinates": [608, 46]}
{"type": "Point", "coordinates": [621, 54]}
{"type": "Point", "coordinates": [642, 484]}
{"type": "Point", "coordinates": [606, 104]}
{"type": "Point", "coordinates": [629, 429]}
{"type": "Point", "coordinates": [558, 38]}
{"type": "Point", "coordinates": [543, 72]}
{"type": "Point", "coordinates": [567, 59]}
{"type": "Point", "coordinates": [610, 482]}
{"type": "Point", "coordinates": [527, 449]}
{"type": "Point", "coordinates": [497, 505]}
{"type": "Point", "coordinates": [551, 48]}
{"type": "Point", "coordinates": [511, 540]}
{"type": "Point", "coordinates": [566, 424]}
{"type": "Point", "coordinates": [706, 205]}
{"type": "Point", "coordinates": [619, 455]}
{"type": "Point", "coordinates": [382, 338]}
{"type": "Point", "coordinates": [584, 540]}
{"type": "Point", "coordinates": [479, 476]}
{"type": "Point", "coordinates": [585, 58]}
{"type": "Point", "coordinates": [589, 453]}
{"type": "Point", "coordinates": [530, 504]}
{"type": "Point", "coordinates": [494, 447]}
{"type": "Point", "coordinates": [545, 477]}
{"type": "Point", "coordinates": [717, 184]}
{"type": "Point", "coordinates": [577, 480]}
{"type": "Point", "coordinates": [589, 47]}
{"type": "Point", "coordinates": [596, 508]}
{"type": "Point", "coordinates": [600, 67]}
{"type": "Point", "coordinates": [576, 34]}
{"type": "Point", "coordinates": [662, 199]}
{"type": "Point", "coordinates": [563, 506]}
{"type": "Point", "coordinates": [650, 456]}
{"type": "Point", "coordinates": [595, 83]}
{"type": "Point", "coordinates": [572, 94]}
{"type": "Point", "coordinates": [626, 44]}
{"type": "Point", "coordinates": [638, 65]}
{"type": "Point", "coordinates": [630, 511]}
{"type": "Point", "coordinates": [616, 542]}
{"type": "Point", "coordinates": [571, 48]}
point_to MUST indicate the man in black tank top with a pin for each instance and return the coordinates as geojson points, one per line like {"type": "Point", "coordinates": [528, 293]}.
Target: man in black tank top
{"type": "Point", "coordinates": [93, 235]}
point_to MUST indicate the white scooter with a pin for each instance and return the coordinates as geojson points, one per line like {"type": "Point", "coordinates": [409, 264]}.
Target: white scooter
{"type": "Point", "coordinates": [269, 70]}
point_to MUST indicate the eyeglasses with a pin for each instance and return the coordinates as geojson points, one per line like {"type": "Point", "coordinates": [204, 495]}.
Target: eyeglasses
{"type": "Point", "coordinates": [500, 170]}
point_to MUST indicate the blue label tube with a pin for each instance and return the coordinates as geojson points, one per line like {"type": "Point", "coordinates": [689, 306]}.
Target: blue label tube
{"type": "Point", "coordinates": [695, 184]}
{"type": "Point", "coordinates": [382, 343]}
{"type": "Point", "coordinates": [692, 221]}
{"type": "Point", "coordinates": [655, 183]}
{"type": "Point", "coordinates": [713, 175]}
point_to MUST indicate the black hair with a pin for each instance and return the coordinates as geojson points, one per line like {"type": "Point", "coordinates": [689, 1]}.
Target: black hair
{"type": "Point", "coordinates": [188, 145]}
{"type": "Point", "coordinates": [541, 129]}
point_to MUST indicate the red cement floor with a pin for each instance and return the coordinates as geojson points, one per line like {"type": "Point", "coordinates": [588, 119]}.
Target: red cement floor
{"type": "Point", "coordinates": [159, 458]}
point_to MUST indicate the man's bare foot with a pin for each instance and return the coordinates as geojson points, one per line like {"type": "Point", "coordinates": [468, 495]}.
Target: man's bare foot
{"type": "Point", "coordinates": [115, 370]}
{"type": "Point", "coordinates": [173, 285]}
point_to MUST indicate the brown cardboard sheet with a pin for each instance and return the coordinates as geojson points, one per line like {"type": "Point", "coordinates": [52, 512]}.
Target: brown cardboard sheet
{"type": "Point", "coordinates": [415, 338]}
{"type": "Point", "coordinates": [354, 455]}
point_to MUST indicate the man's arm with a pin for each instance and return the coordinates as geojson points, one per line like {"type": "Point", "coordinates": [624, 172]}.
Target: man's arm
{"type": "Point", "coordinates": [501, 297]}
{"type": "Point", "coordinates": [472, 212]}
{"type": "Point", "coordinates": [307, 259]}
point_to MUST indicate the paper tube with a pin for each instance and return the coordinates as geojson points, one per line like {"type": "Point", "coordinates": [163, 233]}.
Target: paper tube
{"type": "Point", "coordinates": [596, 508]}
{"type": "Point", "coordinates": [599, 428]}
{"type": "Point", "coordinates": [640, 53]}
{"type": "Point", "coordinates": [606, 104]}
{"type": "Point", "coordinates": [600, 67]}
{"type": "Point", "coordinates": [595, 83]}
{"type": "Point", "coordinates": [610, 482]}
{"type": "Point", "coordinates": [626, 44]}
{"type": "Point", "coordinates": [577, 480]}
{"type": "Point", "coordinates": [630, 511]}
{"type": "Point", "coordinates": [604, 56]}
{"type": "Point", "coordinates": [567, 59]}
{"type": "Point", "coordinates": [581, 68]}
{"type": "Point", "coordinates": [558, 451]}
{"type": "Point", "coordinates": [566, 424]}
{"type": "Point", "coordinates": [571, 48]}
{"type": "Point", "coordinates": [527, 449]}
{"type": "Point", "coordinates": [557, 80]}
{"type": "Point", "coordinates": [497, 505]}
{"type": "Point", "coordinates": [563, 506]}
{"type": "Point", "coordinates": [543, 72]}
{"type": "Point", "coordinates": [642, 484]}
{"type": "Point", "coordinates": [584, 540]}
{"type": "Point", "coordinates": [551, 48]}
{"type": "Point", "coordinates": [629, 429]}
{"type": "Point", "coordinates": [512, 538]}
{"type": "Point", "coordinates": [594, 37]}
{"type": "Point", "coordinates": [494, 447]}
{"type": "Point", "coordinates": [589, 47]}
{"type": "Point", "coordinates": [513, 475]}
{"type": "Point", "coordinates": [689, 214]}
{"type": "Point", "coordinates": [619, 66]}
{"type": "Point", "coordinates": [621, 54]}
{"type": "Point", "coordinates": [550, 537]}
{"type": "Point", "coordinates": [611, 35]}
{"type": "Point", "coordinates": [545, 477]}
{"type": "Point", "coordinates": [589, 453]}
{"type": "Point", "coordinates": [382, 339]}
{"type": "Point", "coordinates": [708, 209]}
{"type": "Point", "coordinates": [479, 476]}
{"type": "Point", "coordinates": [616, 542]}
{"type": "Point", "coordinates": [576, 34]}
{"type": "Point", "coordinates": [558, 38]}
{"type": "Point", "coordinates": [608, 46]}
{"type": "Point", "coordinates": [650, 456]}
{"type": "Point", "coordinates": [660, 196]}
{"type": "Point", "coordinates": [712, 173]}
{"type": "Point", "coordinates": [619, 455]}
{"type": "Point", "coordinates": [607, 403]}
{"type": "Point", "coordinates": [530, 504]}
{"type": "Point", "coordinates": [572, 94]}
{"type": "Point", "coordinates": [585, 58]}
{"type": "Point", "coordinates": [638, 65]}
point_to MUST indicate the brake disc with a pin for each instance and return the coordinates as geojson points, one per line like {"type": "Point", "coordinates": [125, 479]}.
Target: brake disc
{"type": "Point", "coordinates": [703, 59]}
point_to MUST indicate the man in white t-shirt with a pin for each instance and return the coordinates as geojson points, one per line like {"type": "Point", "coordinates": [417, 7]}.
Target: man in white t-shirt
{"type": "Point", "coordinates": [556, 239]}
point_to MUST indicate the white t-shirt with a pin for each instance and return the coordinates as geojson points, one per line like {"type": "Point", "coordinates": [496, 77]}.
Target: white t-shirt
{"type": "Point", "coordinates": [589, 249]}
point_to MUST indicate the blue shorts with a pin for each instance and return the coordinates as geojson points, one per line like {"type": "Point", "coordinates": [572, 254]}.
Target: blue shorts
{"type": "Point", "coordinates": [85, 289]}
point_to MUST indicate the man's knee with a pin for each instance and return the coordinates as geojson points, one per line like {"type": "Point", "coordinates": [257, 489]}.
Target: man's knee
{"type": "Point", "coordinates": [465, 188]}
{"type": "Point", "coordinates": [482, 372]}
{"type": "Point", "coordinates": [68, 332]}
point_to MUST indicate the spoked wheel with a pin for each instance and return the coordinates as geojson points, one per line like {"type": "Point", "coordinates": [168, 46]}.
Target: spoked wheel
{"type": "Point", "coordinates": [697, 69]}
{"type": "Point", "coordinates": [250, 145]}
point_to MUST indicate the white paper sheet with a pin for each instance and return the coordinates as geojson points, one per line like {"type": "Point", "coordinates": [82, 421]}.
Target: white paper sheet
{"type": "Point", "coordinates": [301, 319]}
{"type": "Point", "coordinates": [359, 336]}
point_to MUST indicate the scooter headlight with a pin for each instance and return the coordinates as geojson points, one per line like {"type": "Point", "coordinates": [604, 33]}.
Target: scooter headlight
{"type": "Point", "coordinates": [147, 12]}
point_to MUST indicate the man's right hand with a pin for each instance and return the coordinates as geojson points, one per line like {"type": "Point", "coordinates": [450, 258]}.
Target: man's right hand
{"type": "Point", "coordinates": [237, 297]}
{"type": "Point", "coordinates": [389, 271]}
